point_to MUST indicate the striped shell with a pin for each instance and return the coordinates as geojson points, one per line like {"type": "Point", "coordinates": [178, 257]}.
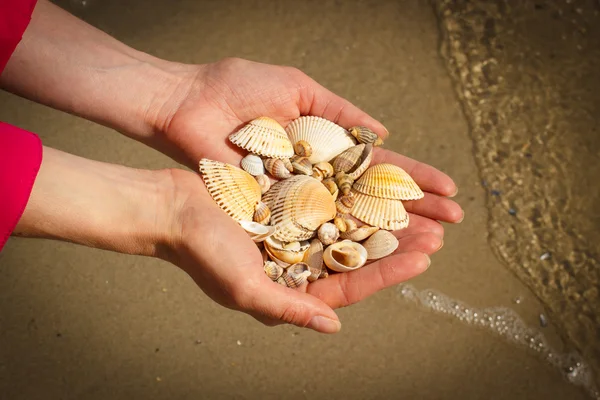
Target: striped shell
{"type": "Point", "coordinates": [232, 188]}
{"type": "Point", "coordinates": [302, 165]}
{"type": "Point", "coordinates": [299, 205]}
{"type": "Point", "coordinates": [326, 138]}
{"type": "Point", "coordinates": [359, 234]}
{"type": "Point", "coordinates": [384, 213]}
{"type": "Point", "coordinates": [272, 270]}
{"type": "Point", "coordinates": [253, 165]}
{"type": "Point", "coordinates": [389, 182]}
{"type": "Point", "coordinates": [354, 161]}
{"type": "Point", "coordinates": [296, 275]}
{"type": "Point", "coordinates": [264, 182]}
{"type": "Point", "coordinates": [264, 136]}
{"type": "Point", "coordinates": [278, 168]}
{"type": "Point", "coordinates": [262, 214]}
{"type": "Point", "coordinates": [380, 244]}
{"type": "Point", "coordinates": [365, 135]}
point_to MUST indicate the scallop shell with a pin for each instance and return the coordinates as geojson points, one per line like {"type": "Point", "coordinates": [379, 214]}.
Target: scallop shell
{"type": "Point", "coordinates": [314, 259]}
{"type": "Point", "coordinates": [345, 256]}
{"type": "Point", "coordinates": [326, 138]}
{"type": "Point", "coordinates": [278, 168]}
{"type": "Point", "coordinates": [299, 205]}
{"type": "Point", "coordinates": [365, 135]}
{"type": "Point", "coordinates": [359, 234]}
{"type": "Point", "coordinates": [328, 233]}
{"type": "Point", "coordinates": [262, 215]}
{"type": "Point", "coordinates": [285, 254]}
{"type": "Point", "coordinates": [384, 213]}
{"type": "Point", "coordinates": [264, 182]}
{"type": "Point", "coordinates": [232, 188]}
{"type": "Point", "coordinates": [257, 232]}
{"type": "Point", "coordinates": [302, 165]}
{"type": "Point", "coordinates": [303, 148]}
{"type": "Point", "coordinates": [272, 270]}
{"type": "Point", "coordinates": [296, 275]}
{"type": "Point", "coordinates": [344, 182]}
{"type": "Point", "coordinates": [388, 181]}
{"type": "Point", "coordinates": [253, 165]}
{"type": "Point", "coordinates": [264, 136]}
{"type": "Point", "coordinates": [380, 244]}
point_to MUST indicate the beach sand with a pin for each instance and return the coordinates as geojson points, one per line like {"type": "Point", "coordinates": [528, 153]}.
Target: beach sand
{"type": "Point", "coordinates": [80, 323]}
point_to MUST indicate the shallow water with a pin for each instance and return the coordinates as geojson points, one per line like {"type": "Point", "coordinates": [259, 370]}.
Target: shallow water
{"type": "Point", "coordinates": [528, 76]}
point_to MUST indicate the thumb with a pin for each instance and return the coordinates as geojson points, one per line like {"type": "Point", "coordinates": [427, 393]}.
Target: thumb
{"type": "Point", "coordinates": [272, 303]}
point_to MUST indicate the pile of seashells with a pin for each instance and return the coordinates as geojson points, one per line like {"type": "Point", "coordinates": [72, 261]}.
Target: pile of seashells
{"type": "Point", "coordinates": [303, 222]}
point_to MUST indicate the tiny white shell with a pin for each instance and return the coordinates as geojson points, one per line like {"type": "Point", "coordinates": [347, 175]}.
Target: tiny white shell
{"type": "Point", "coordinates": [328, 233]}
{"type": "Point", "coordinates": [253, 165]}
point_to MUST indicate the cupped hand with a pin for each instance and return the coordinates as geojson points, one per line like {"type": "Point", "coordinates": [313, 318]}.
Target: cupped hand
{"type": "Point", "coordinates": [218, 254]}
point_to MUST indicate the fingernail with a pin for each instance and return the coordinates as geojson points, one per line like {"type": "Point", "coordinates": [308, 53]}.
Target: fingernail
{"type": "Point", "coordinates": [324, 324]}
{"type": "Point", "coordinates": [461, 218]}
{"type": "Point", "coordinates": [441, 245]}
{"type": "Point", "coordinates": [387, 133]}
{"type": "Point", "coordinates": [428, 261]}
{"type": "Point", "coordinates": [455, 193]}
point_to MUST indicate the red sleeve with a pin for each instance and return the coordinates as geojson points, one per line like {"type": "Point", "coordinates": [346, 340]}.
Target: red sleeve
{"type": "Point", "coordinates": [20, 151]}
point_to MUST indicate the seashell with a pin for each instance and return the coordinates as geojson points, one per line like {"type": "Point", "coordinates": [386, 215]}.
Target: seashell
{"type": "Point", "coordinates": [299, 206]}
{"type": "Point", "coordinates": [359, 234]}
{"type": "Point", "coordinates": [253, 165]}
{"type": "Point", "coordinates": [380, 244]}
{"type": "Point", "coordinates": [324, 169]}
{"type": "Point", "coordinates": [256, 231]}
{"type": "Point", "coordinates": [233, 189]}
{"type": "Point", "coordinates": [345, 256]}
{"type": "Point", "coordinates": [344, 182]}
{"type": "Point", "coordinates": [350, 224]}
{"type": "Point", "coordinates": [328, 233]}
{"type": "Point", "coordinates": [296, 275]}
{"type": "Point", "coordinates": [303, 148]}
{"type": "Point", "coordinates": [277, 168]}
{"type": "Point", "coordinates": [365, 135]}
{"type": "Point", "coordinates": [344, 204]}
{"type": "Point", "coordinates": [389, 182]}
{"type": "Point", "coordinates": [285, 254]}
{"type": "Point", "coordinates": [272, 270]}
{"type": "Point", "coordinates": [262, 215]}
{"type": "Point", "coordinates": [324, 273]}
{"type": "Point", "coordinates": [314, 259]}
{"type": "Point", "coordinates": [288, 164]}
{"type": "Point", "coordinates": [349, 160]}
{"type": "Point", "coordinates": [326, 138]}
{"type": "Point", "coordinates": [330, 184]}
{"type": "Point", "coordinates": [384, 213]}
{"type": "Point", "coordinates": [264, 182]}
{"type": "Point", "coordinates": [302, 166]}
{"type": "Point", "coordinates": [264, 136]}
{"type": "Point", "coordinates": [340, 223]}
{"type": "Point", "coordinates": [366, 158]}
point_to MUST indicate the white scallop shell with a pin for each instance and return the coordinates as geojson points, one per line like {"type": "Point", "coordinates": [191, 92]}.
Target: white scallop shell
{"type": "Point", "coordinates": [380, 244]}
{"type": "Point", "coordinates": [384, 213]}
{"type": "Point", "coordinates": [253, 165]}
{"type": "Point", "coordinates": [233, 189]}
{"type": "Point", "coordinates": [336, 263]}
{"type": "Point", "coordinates": [326, 138]}
{"type": "Point", "coordinates": [264, 136]}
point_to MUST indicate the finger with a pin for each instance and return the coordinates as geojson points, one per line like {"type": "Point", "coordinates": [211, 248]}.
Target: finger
{"type": "Point", "coordinates": [419, 224]}
{"type": "Point", "coordinates": [317, 100]}
{"type": "Point", "coordinates": [427, 177]}
{"type": "Point", "coordinates": [425, 242]}
{"type": "Point", "coordinates": [340, 290]}
{"type": "Point", "coordinates": [435, 207]}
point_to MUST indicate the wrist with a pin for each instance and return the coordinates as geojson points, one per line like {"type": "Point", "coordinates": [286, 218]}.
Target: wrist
{"type": "Point", "coordinates": [98, 205]}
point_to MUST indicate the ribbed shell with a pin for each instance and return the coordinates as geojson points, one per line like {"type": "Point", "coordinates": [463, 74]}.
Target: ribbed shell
{"type": "Point", "coordinates": [264, 136]}
{"type": "Point", "coordinates": [299, 205]}
{"type": "Point", "coordinates": [326, 138]}
{"type": "Point", "coordinates": [389, 182]}
{"type": "Point", "coordinates": [384, 213]}
{"type": "Point", "coordinates": [380, 244]}
{"type": "Point", "coordinates": [349, 160]}
{"type": "Point", "coordinates": [232, 188]}
{"type": "Point", "coordinates": [253, 165]}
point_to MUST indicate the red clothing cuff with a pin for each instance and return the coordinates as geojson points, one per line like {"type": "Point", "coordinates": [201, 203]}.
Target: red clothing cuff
{"type": "Point", "coordinates": [15, 16]}
{"type": "Point", "coordinates": [20, 160]}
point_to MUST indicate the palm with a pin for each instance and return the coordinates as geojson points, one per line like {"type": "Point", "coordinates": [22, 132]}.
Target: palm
{"type": "Point", "coordinates": [235, 92]}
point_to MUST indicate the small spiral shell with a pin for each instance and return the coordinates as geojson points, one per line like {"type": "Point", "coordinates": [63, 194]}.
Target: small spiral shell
{"type": "Point", "coordinates": [277, 168]}
{"type": "Point", "coordinates": [303, 148]}
{"type": "Point", "coordinates": [325, 169]}
{"type": "Point", "coordinates": [332, 187]}
{"type": "Point", "coordinates": [365, 135]}
{"type": "Point", "coordinates": [262, 214]}
{"type": "Point", "coordinates": [344, 204]}
{"type": "Point", "coordinates": [264, 182]}
{"type": "Point", "coordinates": [328, 233]}
{"type": "Point", "coordinates": [340, 223]}
{"type": "Point", "coordinates": [359, 234]}
{"type": "Point", "coordinates": [301, 165]}
{"type": "Point", "coordinates": [344, 182]}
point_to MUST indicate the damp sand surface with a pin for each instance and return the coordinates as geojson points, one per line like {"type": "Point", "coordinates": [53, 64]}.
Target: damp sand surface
{"type": "Point", "coordinates": [95, 325]}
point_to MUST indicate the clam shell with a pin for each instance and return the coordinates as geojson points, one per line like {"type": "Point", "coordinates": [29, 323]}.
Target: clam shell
{"type": "Point", "coordinates": [233, 189]}
{"type": "Point", "coordinates": [380, 244]}
{"type": "Point", "coordinates": [388, 181]}
{"type": "Point", "coordinates": [285, 255]}
{"type": "Point", "coordinates": [314, 259]}
{"type": "Point", "coordinates": [264, 182]}
{"type": "Point", "coordinates": [328, 233]}
{"type": "Point", "coordinates": [264, 136]}
{"type": "Point", "coordinates": [256, 231]}
{"type": "Point", "coordinates": [278, 168]}
{"type": "Point", "coordinates": [296, 275]}
{"type": "Point", "coordinates": [253, 165]}
{"type": "Point", "coordinates": [303, 148]}
{"type": "Point", "coordinates": [345, 256]}
{"type": "Point", "coordinates": [262, 215]}
{"type": "Point", "coordinates": [365, 135]}
{"type": "Point", "coordinates": [273, 270]}
{"type": "Point", "coordinates": [326, 138]}
{"type": "Point", "coordinates": [299, 205]}
{"type": "Point", "coordinates": [384, 213]}
{"type": "Point", "coordinates": [359, 234]}
{"type": "Point", "coordinates": [302, 165]}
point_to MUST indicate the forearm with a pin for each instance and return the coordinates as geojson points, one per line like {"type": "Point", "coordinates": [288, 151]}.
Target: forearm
{"type": "Point", "coordinates": [69, 65]}
{"type": "Point", "coordinates": [97, 204]}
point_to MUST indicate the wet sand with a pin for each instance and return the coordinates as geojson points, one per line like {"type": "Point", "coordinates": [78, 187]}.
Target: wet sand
{"type": "Point", "coordinates": [82, 323]}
